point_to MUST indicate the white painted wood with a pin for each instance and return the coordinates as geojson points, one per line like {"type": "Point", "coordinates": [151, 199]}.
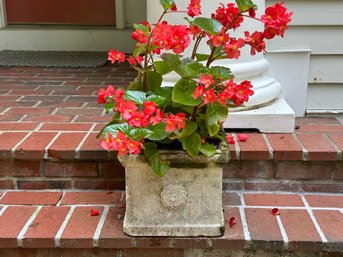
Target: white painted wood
{"type": "Point", "coordinates": [325, 97]}
{"type": "Point", "coordinates": [290, 68]}
{"type": "Point", "coordinates": [136, 11]}
{"type": "Point", "coordinates": [326, 69]}
{"type": "Point", "coordinates": [321, 39]}
{"type": "Point", "coordinates": [120, 14]}
{"type": "Point", "coordinates": [3, 20]}
{"type": "Point", "coordinates": [66, 39]}
{"type": "Point", "coordinates": [311, 12]}
{"type": "Point", "coordinates": [275, 118]}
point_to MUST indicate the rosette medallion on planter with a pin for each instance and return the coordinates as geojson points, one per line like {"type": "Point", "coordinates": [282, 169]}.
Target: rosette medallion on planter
{"type": "Point", "coordinates": [170, 139]}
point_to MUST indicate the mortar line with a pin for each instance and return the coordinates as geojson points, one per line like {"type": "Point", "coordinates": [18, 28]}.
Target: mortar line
{"type": "Point", "coordinates": [101, 223]}
{"type": "Point", "coordinates": [26, 227]}
{"type": "Point", "coordinates": [305, 151]}
{"type": "Point", "coordinates": [314, 220]}
{"type": "Point", "coordinates": [270, 148]}
{"type": "Point", "coordinates": [3, 210]}
{"type": "Point", "coordinates": [339, 155]}
{"type": "Point", "coordinates": [63, 226]}
{"type": "Point", "coordinates": [243, 219]}
{"type": "Point", "coordinates": [77, 150]}
{"type": "Point", "coordinates": [237, 148]}
{"type": "Point", "coordinates": [46, 152]}
{"type": "Point", "coordinates": [282, 230]}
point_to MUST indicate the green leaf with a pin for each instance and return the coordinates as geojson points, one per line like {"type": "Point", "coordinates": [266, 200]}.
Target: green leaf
{"type": "Point", "coordinates": [202, 57]}
{"type": "Point", "coordinates": [154, 80]}
{"type": "Point", "coordinates": [222, 73]}
{"type": "Point", "coordinates": [188, 130]}
{"type": "Point", "coordinates": [158, 100]}
{"type": "Point", "coordinates": [244, 5]}
{"type": "Point", "coordinates": [175, 64]}
{"type": "Point", "coordinates": [183, 92]}
{"type": "Point", "coordinates": [138, 50]}
{"type": "Point", "coordinates": [158, 132]}
{"type": "Point", "coordinates": [141, 27]}
{"type": "Point", "coordinates": [165, 92]}
{"type": "Point", "coordinates": [137, 84]}
{"type": "Point", "coordinates": [215, 116]}
{"type": "Point", "coordinates": [209, 25]}
{"type": "Point", "coordinates": [137, 96]}
{"type": "Point", "coordinates": [198, 68]}
{"type": "Point", "coordinates": [139, 133]}
{"type": "Point", "coordinates": [207, 149]}
{"type": "Point", "coordinates": [109, 106]}
{"type": "Point", "coordinates": [158, 166]}
{"type": "Point", "coordinates": [162, 67]}
{"type": "Point", "coordinates": [115, 128]}
{"type": "Point", "coordinates": [167, 4]}
{"type": "Point", "coordinates": [191, 144]}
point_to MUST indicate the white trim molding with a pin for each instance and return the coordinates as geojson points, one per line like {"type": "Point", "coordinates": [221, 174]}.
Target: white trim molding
{"type": "Point", "coordinates": [3, 20]}
{"type": "Point", "coordinates": [120, 14]}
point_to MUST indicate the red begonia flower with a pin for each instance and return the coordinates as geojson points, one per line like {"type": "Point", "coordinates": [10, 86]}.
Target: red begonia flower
{"type": "Point", "coordinates": [232, 222]}
{"type": "Point", "coordinates": [94, 212]}
{"type": "Point", "coordinates": [275, 211]}
{"type": "Point", "coordinates": [242, 137]}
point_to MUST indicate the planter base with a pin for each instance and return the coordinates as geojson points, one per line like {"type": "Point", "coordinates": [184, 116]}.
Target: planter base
{"type": "Point", "coordinates": [187, 201]}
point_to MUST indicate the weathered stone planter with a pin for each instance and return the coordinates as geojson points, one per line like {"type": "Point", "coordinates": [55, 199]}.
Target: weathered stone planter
{"type": "Point", "coordinates": [187, 201]}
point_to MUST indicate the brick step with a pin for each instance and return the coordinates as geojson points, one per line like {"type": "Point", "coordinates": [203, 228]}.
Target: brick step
{"type": "Point", "coordinates": [58, 155]}
{"type": "Point", "coordinates": [59, 223]}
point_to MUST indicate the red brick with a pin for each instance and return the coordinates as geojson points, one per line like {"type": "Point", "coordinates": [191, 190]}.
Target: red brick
{"type": "Point", "coordinates": [285, 147]}
{"type": "Point", "coordinates": [152, 253]}
{"type": "Point", "coordinates": [8, 140]}
{"type": "Point", "coordinates": [6, 184]}
{"type": "Point", "coordinates": [31, 198]}
{"type": "Point", "coordinates": [320, 128]}
{"type": "Point", "coordinates": [49, 118]}
{"type": "Point", "coordinates": [232, 149]}
{"type": "Point", "coordinates": [95, 118]}
{"type": "Point", "coordinates": [323, 187]}
{"type": "Point", "coordinates": [29, 110]}
{"type": "Point", "coordinates": [84, 253]}
{"type": "Point", "coordinates": [98, 127]}
{"type": "Point", "coordinates": [233, 237]}
{"type": "Point", "coordinates": [29, 92]}
{"type": "Point", "coordinates": [112, 235]}
{"type": "Point", "coordinates": [57, 104]}
{"type": "Point", "coordinates": [71, 169]}
{"type": "Point", "coordinates": [255, 148]}
{"type": "Point", "coordinates": [329, 222]}
{"type": "Point", "coordinates": [34, 146]}
{"type": "Point", "coordinates": [301, 232]}
{"type": "Point", "coordinates": [71, 198]}
{"type": "Point", "coordinates": [339, 171]}
{"type": "Point", "coordinates": [113, 169]}
{"type": "Point", "coordinates": [80, 111]}
{"type": "Point", "coordinates": [263, 225]}
{"type": "Point", "coordinates": [304, 170]}
{"type": "Point", "coordinates": [65, 145]}
{"type": "Point", "coordinates": [10, 117]}
{"type": "Point", "coordinates": [337, 138]}
{"type": "Point", "coordinates": [18, 104]}
{"type": "Point", "coordinates": [81, 92]}
{"type": "Point", "coordinates": [325, 201]}
{"type": "Point", "coordinates": [231, 199]}
{"type": "Point", "coordinates": [273, 200]}
{"type": "Point", "coordinates": [43, 184]}
{"type": "Point", "coordinates": [81, 227]}
{"type": "Point", "coordinates": [19, 168]}
{"type": "Point", "coordinates": [12, 222]}
{"type": "Point", "coordinates": [319, 149]}
{"type": "Point", "coordinates": [45, 98]}
{"type": "Point", "coordinates": [67, 126]}
{"type": "Point", "coordinates": [43, 229]}
{"type": "Point", "coordinates": [229, 185]}
{"type": "Point", "coordinates": [266, 185]}
{"type": "Point", "coordinates": [91, 148]}
{"type": "Point", "coordinates": [248, 169]}
{"type": "Point", "coordinates": [8, 97]}
{"type": "Point", "coordinates": [28, 126]}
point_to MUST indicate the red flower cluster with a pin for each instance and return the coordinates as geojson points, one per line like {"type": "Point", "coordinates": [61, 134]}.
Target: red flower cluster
{"type": "Point", "coordinates": [115, 55]}
{"type": "Point", "coordinates": [227, 91]}
{"type": "Point", "coordinates": [276, 19]}
{"type": "Point", "coordinates": [194, 8]}
{"type": "Point", "coordinates": [170, 37]}
{"type": "Point", "coordinates": [228, 16]}
{"type": "Point", "coordinates": [105, 96]}
{"type": "Point", "coordinates": [122, 144]}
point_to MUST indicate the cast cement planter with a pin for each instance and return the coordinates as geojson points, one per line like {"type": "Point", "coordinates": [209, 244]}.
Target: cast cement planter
{"type": "Point", "coordinates": [187, 201]}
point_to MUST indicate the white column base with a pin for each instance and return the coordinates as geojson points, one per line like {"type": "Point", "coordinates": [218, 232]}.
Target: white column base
{"type": "Point", "coordinates": [277, 117]}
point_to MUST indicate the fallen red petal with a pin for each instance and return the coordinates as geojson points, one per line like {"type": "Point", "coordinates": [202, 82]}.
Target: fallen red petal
{"type": "Point", "coordinates": [242, 137]}
{"type": "Point", "coordinates": [232, 221]}
{"type": "Point", "coordinates": [94, 212]}
{"type": "Point", "coordinates": [230, 140]}
{"type": "Point", "coordinates": [275, 211]}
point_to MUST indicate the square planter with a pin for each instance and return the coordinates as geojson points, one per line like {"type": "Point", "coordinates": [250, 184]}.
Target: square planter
{"type": "Point", "coordinates": [186, 201]}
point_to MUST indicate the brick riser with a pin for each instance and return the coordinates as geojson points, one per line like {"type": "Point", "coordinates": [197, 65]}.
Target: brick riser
{"type": "Point", "coordinates": [68, 156]}
{"type": "Point", "coordinates": [62, 220]}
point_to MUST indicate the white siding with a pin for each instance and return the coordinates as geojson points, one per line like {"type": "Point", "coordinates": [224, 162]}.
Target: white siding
{"type": "Point", "coordinates": [318, 25]}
